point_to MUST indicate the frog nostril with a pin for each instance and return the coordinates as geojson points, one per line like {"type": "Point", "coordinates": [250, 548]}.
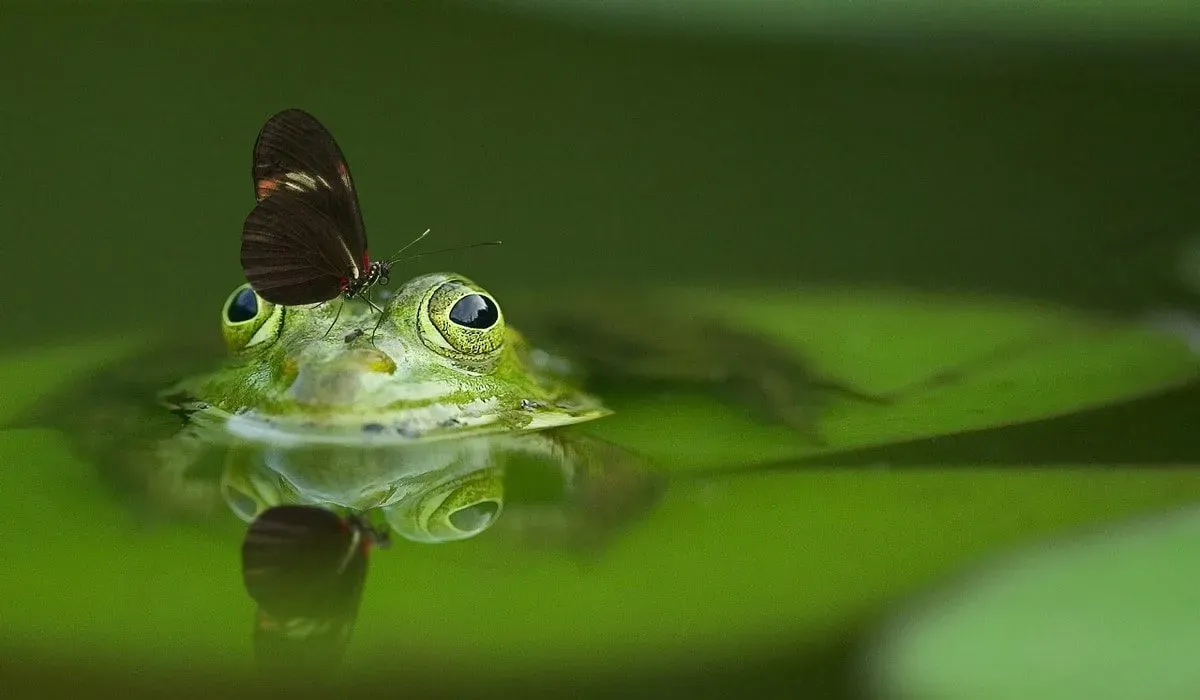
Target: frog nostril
{"type": "Point", "coordinates": [375, 361]}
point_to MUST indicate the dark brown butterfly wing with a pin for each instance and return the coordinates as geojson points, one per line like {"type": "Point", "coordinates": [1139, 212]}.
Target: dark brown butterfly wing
{"type": "Point", "coordinates": [294, 248]}
{"type": "Point", "coordinates": [292, 252]}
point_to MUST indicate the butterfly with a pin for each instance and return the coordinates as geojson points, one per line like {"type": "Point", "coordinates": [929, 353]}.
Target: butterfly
{"type": "Point", "coordinates": [304, 242]}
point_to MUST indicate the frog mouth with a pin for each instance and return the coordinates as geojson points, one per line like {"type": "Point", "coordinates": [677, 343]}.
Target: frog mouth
{"type": "Point", "coordinates": [383, 427]}
{"type": "Point", "coordinates": [398, 427]}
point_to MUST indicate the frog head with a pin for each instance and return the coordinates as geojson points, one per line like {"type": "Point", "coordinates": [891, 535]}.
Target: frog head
{"type": "Point", "coordinates": [436, 360]}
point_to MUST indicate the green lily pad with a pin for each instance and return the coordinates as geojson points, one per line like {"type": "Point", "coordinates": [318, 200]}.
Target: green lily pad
{"type": "Point", "coordinates": [1007, 362]}
{"type": "Point", "coordinates": [1108, 614]}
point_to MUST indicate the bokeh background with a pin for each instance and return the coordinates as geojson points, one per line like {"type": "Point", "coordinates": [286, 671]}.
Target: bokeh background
{"type": "Point", "coordinates": [1010, 148]}
{"type": "Point", "coordinates": [1037, 150]}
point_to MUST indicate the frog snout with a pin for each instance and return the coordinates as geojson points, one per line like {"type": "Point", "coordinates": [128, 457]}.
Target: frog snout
{"type": "Point", "coordinates": [340, 380]}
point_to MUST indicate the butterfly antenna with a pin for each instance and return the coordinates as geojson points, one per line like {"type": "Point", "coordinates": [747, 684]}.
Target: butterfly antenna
{"type": "Point", "coordinates": [445, 250]}
{"type": "Point", "coordinates": [396, 256]}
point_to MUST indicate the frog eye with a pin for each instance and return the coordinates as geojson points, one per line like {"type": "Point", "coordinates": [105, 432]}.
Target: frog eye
{"type": "Point", "coordinates": [475, 311]}
{"type": "Point", "coordinates": [467, 324]}
{"type": "Point", "coordinates": [242, 307]}
{"type": "Point", "coordinates": [248, 320]}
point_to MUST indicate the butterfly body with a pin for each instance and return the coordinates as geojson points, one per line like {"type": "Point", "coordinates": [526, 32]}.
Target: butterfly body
{"type": "Point", "coordinates": [375, 273]}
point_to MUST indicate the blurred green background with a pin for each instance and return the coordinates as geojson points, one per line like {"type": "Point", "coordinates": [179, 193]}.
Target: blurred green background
{"type": "Point", "coordinates": [955, 153]}
{"type": "Point", "coordinates": [1028, 149]}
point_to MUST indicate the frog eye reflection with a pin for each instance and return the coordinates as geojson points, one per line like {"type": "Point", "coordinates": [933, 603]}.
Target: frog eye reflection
{"type": "Point", "coordinates": [474, 518]}
{"type": "Point", "coordinates": [457, 508]}
{"type": "Point", "coordinates": [242, 504]}
{"type": "Point", "coordinates": [475, 311]}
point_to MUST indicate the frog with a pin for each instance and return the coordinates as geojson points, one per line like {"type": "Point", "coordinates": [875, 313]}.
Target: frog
{"type": "Point", "coordinates": [419, 408]}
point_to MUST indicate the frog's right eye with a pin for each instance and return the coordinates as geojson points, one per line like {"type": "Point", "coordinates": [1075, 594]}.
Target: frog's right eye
{"type": "Point", "coordinates": [248, 320]}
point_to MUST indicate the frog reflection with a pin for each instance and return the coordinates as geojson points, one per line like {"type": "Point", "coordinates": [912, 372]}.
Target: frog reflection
{"type": "Point", "coordinates": [453, 490]}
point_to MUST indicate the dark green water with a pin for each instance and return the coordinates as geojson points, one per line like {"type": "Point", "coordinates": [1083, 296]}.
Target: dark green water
{"type": "Point", "coordinates": [1057, 171]}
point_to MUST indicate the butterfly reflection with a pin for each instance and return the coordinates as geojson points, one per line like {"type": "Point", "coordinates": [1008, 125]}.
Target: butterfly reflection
{"type": "Point", "coordinates": [305, 568]}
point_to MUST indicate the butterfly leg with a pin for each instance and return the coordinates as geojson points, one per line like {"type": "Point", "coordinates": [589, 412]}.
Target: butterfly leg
{"type": "Point", "coordinates": [375, 306]}
{"type": "Point", "coordinates": [335, 319]}
{"type": "Point", "coordinates": [378, 321]}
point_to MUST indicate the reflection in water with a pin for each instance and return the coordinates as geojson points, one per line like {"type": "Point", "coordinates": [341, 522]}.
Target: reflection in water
{"type": "Point", "coordinates": [564, 489]}
{"type": "Point", "coordinates": [305, 565]}
{"type": "Point", "coordinates": [305, 568]}
{"type": "Point", "coordinates": [556, 488]}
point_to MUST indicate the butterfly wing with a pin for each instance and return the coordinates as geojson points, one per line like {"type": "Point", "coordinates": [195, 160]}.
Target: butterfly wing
{"type": "Point", "coordinates": [306, 236]}
{"type": "Point", "coordinates": [293, 144]}
{"type": "Point", "coordinates": [292, 251]}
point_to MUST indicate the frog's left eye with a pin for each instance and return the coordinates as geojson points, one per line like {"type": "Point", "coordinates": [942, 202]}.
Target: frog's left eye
{"type": "Point", "coordinates": [463, 322]}
{"type": "Point", "coordinates": [243, 306]}
{"type": "Point", "coordinates": [248, 320]}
